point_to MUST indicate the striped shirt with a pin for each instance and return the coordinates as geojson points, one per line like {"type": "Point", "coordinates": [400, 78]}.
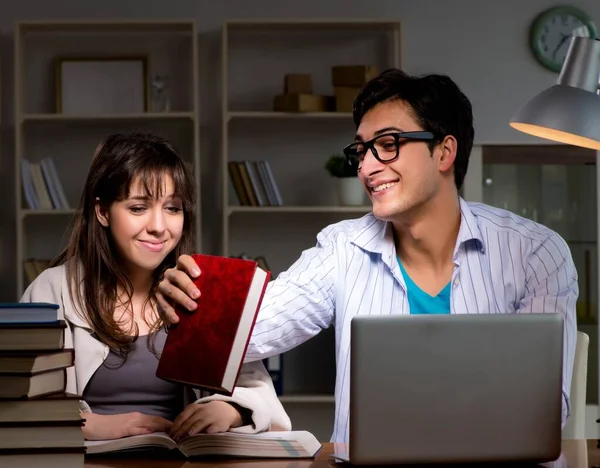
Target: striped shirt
{"type": "Point", "coordinates": [352, 270]}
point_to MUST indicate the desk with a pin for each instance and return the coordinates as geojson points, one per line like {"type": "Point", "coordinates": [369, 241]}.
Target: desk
{"type": "Point", "coordinates": [322, 461]}
{"type": "Point", "coordinates": [576, 454]}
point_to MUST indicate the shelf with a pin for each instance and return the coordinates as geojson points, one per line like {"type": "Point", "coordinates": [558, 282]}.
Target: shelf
{"type": "Point", "coordinates": [106, 26]}
{"type": "Point", "coordinates": [107, 117]}
{"type": "Point", "coordinates": [46, 212]}
{"type": "Point", "coordinates": [307, 399]}
{"type": "Point", "coordinates": [299, 209]}
{"type": "Point", "coordinates": [298, 146]}
{"type": "Point", "coordinates": [312, 23]}
{"type": "Point", "coordinates": [68, 139]}
{"type": "Point", "coordinates": [287, 115]}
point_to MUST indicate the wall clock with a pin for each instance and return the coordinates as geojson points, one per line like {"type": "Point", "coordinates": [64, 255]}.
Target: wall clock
{"type": "Point", "coordinates": [551, 32]}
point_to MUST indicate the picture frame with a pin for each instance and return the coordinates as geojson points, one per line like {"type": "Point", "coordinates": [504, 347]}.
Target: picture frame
{"type": "Point", "coordinates": [102, 85]}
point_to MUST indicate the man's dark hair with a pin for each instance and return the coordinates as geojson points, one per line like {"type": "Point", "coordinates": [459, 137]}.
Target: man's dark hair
{"type": "Point", "coordinates": [438, 104]}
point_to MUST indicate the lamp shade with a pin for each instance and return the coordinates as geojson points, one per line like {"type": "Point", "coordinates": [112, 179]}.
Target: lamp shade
{"type": "Point", "coordinates": [569, 111]}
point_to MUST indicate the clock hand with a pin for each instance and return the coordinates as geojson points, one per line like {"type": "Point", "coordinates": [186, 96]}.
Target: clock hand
{"type": "Point", "coordinates": [562, 41]}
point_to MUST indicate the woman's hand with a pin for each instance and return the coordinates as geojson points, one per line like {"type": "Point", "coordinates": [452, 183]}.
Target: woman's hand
{"type": "Point", "coordinates": [211, 417]}
{"type": "Point", "coordinates": [115, 426]}
{"type": "Point", "coordinates": [177, 286]}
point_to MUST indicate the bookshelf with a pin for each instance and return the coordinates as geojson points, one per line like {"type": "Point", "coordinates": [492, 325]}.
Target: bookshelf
{"type": "Point", "coordinates": [256, 56]}
{"type": "Point", "coordinates": [169, 51]}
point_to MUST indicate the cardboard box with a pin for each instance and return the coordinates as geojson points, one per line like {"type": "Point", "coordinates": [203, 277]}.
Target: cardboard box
{"type": "Point", "coordinates": [344, 98]}
{"type": "Point", "coordinates": [297, 83]}
{"type": "Point", "coordinates": [298, 102]}
{"type": "Point", "coordinates": [352, 75]}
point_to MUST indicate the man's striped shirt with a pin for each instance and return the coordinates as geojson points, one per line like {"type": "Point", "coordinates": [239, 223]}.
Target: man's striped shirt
{"type": "Point", "coordinates": [503, 263]}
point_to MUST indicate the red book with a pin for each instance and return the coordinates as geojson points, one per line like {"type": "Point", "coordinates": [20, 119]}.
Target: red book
{"type": "Point", "coordinates": [206, 348]}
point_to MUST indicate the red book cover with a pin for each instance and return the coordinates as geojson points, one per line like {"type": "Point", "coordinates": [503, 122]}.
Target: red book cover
{"type": "Point", "coordinates": [206, 348]}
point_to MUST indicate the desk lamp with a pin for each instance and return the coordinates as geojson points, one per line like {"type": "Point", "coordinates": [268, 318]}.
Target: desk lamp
{"type": "Point", "coordinates": [569, 111]}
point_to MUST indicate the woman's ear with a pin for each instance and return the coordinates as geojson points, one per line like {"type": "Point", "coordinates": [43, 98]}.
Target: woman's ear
{"type": "Point", "coordinates": [101, 213]}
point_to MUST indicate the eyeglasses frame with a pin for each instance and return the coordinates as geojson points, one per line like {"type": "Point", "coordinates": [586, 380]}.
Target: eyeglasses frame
{"type": "Point", "coordinates": [370, 144]}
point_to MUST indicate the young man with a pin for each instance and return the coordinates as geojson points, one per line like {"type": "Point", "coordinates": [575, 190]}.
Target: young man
{"type": "Point", "coordinates": [422, 250]}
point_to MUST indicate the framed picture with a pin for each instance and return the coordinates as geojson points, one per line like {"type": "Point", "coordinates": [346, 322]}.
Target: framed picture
{"type": "Point", "coordinates": [106, 85]}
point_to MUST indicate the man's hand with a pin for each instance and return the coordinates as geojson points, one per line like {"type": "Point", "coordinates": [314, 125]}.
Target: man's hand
{"type": "Point", "coordinates": [177, 286]}
{"type": "Point", "coordinates": [116, 426]}
{"type": "Point", "coordinates": [212, 417]}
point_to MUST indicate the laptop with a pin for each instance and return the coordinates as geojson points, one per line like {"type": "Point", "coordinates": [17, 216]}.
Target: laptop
{"type": "Point", "coordinates": [466, 388]}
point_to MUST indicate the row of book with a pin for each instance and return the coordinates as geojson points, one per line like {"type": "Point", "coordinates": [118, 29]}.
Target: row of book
{"type": "Point", "coordinates": [41, 185]}
{"type": "Point", "coordinates": [40, 424]}
{"type": "Point", "coordinates": [254, 183]}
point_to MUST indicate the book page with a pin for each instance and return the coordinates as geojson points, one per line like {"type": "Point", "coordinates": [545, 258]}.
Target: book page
{"type": "Point", "coordinates": [286, 444]}
{"type": "Point", "coordinates": [156, 440]}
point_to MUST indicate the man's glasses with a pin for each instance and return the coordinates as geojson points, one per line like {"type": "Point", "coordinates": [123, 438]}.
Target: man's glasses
{"type": "Point", "coordinates": [385, 147]}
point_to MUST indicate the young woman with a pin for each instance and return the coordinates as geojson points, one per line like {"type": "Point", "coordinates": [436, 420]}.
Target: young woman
{"type": "Point", "coordinates": [135, 218]}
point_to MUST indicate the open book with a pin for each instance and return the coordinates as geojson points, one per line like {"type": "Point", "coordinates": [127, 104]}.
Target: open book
{"type": "Point", "coordinates": [292, 444]}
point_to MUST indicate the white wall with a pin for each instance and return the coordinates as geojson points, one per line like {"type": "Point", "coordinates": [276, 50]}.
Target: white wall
{"type": "Point", "coordinates": [481, 44]}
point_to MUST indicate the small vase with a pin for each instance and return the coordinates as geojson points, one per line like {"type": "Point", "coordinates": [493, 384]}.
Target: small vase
{"type": "Point", "coordinates": [352, 191]}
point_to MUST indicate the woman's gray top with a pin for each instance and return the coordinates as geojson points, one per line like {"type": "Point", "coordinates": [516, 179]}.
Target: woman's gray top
{"type": "Point", "coordinates": [118, 387]}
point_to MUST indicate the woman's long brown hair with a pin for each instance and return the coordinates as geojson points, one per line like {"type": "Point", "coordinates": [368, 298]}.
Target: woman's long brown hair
{"type": "Point", "coordinates": [95, 274]}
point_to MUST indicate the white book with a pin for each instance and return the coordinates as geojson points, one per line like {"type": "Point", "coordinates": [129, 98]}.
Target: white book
{"type": "Point", "coordinates": [264, 177]}
{"type": "Point", "coordinates": [64, 204]}
{"type": "Point", "coordinates": [273, 183]}
{"type": "Point", "coordinates": [285, 444]}
{"type": "Point", "coordinates": [39, 183]}
{"type": "Point", "coordinates": [28, 188]}
{"type": "Point", "coordinates": [261, 196]}
{"type": "Point", "coordinates": [50, 184]}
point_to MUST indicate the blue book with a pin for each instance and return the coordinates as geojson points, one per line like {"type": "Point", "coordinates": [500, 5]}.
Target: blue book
{"type": "Point", "coordinates": [28, 312]}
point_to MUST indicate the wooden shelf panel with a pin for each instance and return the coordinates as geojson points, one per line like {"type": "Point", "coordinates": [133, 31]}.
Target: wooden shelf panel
{"type": "Point", "coordinates": [286, 115]}
{"type": "Point", "coordinates": [106, 26]}
{"type": "Point", "coordinates": [107, 117]}
{"type": "Point", "coordinates": [307, 399]}
{"type": "Point", "coordinates": [46, 212]}
{"type": "Point", "coordinates": [311, 23]}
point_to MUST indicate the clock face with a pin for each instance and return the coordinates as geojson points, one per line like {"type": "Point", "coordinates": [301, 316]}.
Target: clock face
{"type": "Point", "coordinates": [551, 34]}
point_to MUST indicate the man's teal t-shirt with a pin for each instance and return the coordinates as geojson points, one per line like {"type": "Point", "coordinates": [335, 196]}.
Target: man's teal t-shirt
{"type": "Point", "coordinates": [420, 302]}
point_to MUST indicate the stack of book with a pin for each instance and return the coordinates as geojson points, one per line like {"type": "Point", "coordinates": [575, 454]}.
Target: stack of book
{"type": "Point", "coordinates": [40, 424]}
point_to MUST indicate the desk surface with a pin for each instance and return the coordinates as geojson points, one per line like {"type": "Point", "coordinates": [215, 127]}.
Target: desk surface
{"type": "Point", "coordinates": [576, 454]}
{"type": "Point", "coordinates": [323, 460]}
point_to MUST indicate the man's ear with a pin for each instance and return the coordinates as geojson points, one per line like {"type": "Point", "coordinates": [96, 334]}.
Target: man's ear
{"type": "Point", "coordinates": [448, 148]}
{"type": "Point", "coordinates": [101, 213]}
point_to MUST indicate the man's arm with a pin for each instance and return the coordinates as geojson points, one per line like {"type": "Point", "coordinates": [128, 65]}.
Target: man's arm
{"type": "Point", "coordinates": [552, 288]}
{"type": "Point", "coordinates": [297, 305]}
